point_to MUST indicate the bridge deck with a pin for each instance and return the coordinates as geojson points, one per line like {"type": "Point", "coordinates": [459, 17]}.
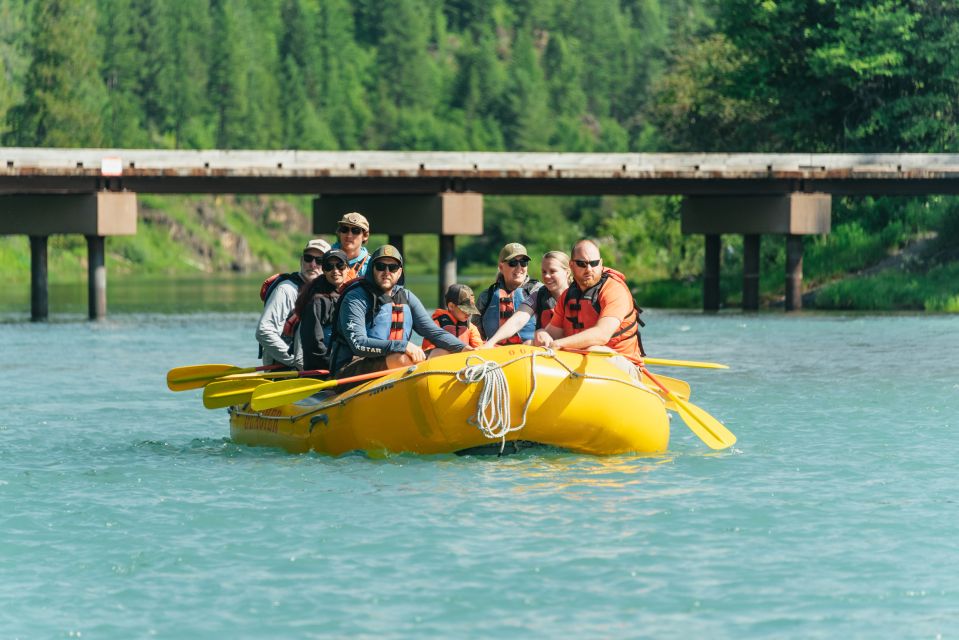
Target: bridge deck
{"type": "Point", "coordinates": [41, 170]}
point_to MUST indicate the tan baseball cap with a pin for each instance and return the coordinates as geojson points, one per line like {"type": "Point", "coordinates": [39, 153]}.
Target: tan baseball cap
{"type": "Point", "coordinates": [355, 219]}
{"type": "Point", "coordinates": [462, 296]}
{"type": "Point", "coordinates": [512, 250]}
{"type": "Point", "coordinates": [387, 251]}
{"type": "Point", "coordinates": [319, 244]}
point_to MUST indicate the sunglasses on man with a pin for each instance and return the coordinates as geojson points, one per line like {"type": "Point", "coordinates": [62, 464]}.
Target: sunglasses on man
{"type": "Point", "coordinates": [582, 264]}
{"type": "Point", "coordinates": [518, 262]}
{"type": "Point", "coordinates": [339, 266]}
{"type": "Point", "coordinates": [309, 257]}
{"type": "Point", "coordinates": [354, 230]}
{"type": "Point", "coordinates": [383, 266]}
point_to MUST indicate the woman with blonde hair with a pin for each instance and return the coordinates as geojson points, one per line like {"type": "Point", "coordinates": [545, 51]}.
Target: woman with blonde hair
{"type": "Point", "coordinates": [555, 278]}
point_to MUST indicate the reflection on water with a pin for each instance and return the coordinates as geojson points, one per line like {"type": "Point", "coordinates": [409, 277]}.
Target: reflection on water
{"type": "Point", "coordinates": [214, 293]}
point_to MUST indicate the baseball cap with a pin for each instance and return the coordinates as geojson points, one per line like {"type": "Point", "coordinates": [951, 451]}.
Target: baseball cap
{"type": "Point", "coordinates": [319, 244]}
{"type": "Point", "coordinates": [355, 219]}
{"type": "Point", "coordinates": [462, 297]}
{"type": "Point", "coordinates": [335, 253]}
{"type": "Point", "coordinates": [512, 250]}
{"type": "Point", "coordinates": [387, 251]}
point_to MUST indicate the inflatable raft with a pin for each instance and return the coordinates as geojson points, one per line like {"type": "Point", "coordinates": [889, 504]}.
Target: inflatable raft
{"type": "Point", "coordinates": [469, 401]}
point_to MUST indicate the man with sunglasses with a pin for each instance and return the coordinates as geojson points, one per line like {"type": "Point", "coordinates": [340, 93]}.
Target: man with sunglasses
{"type": "Point", "coordinates": [375, 318]}
{"type": "Point", "coordinates": [352, 233]}
{"type": "Point", "coordinates": [275, 329]}
{"type": "Point", "coordinates": [512, 288]}
{"type": "Point", "coordinates": [597, 310]}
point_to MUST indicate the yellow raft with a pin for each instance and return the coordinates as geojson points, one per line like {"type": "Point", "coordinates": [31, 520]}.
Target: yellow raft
{"type": "Point", "coordinates": [469, 401]}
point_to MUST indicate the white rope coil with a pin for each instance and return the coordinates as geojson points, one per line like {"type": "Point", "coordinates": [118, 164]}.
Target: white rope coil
{"type": "Point", "coordinates": [492, 415]}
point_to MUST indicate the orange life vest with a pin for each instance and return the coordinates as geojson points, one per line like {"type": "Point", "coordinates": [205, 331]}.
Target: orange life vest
{"type": "Point", "coordinates": [581, 311]}
{"type": "Point", "coordinates": [445, 320]}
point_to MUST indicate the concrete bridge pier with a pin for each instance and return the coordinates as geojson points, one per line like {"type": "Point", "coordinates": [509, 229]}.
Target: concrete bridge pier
{"type": "Point", "coordinates": [39, 307]}
{"type": "Point", "coordinates": [446, 214]}
{"type": "Point", "coordinates": [94, 215]}
{"type": "Point", "coordinates": [791, 214]}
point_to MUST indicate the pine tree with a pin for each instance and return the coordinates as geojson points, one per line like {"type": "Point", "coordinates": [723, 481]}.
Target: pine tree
{"type": "Point", "coordinates": [65, 97]}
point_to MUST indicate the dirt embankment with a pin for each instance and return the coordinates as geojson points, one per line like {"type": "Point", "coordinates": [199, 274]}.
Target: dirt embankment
{"type": "Point", "coordinates": [214, 245]}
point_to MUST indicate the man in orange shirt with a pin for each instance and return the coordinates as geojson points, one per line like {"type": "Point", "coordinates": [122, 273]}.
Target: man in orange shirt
{"type": "Point", "coordinates": [597, 310]}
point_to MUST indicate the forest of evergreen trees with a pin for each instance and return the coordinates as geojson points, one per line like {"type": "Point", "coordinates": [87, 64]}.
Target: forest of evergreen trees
{"type": "Point", "coordinates": [559, 75]}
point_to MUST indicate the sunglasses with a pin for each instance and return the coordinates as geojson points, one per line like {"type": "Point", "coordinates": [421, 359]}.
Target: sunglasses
{"type": "Point", "coordinates": [354, 230]}
{"type": "Point", "coordinates": [339, 266]}
{"type": "Point", "coordinates": [518, 262]}
{"type": "Point", "coordinates": [383, 266]}
{"type": "Point", "coordinates": [582, 264]}
{"type": "Point", "coordinates": [309, 257]}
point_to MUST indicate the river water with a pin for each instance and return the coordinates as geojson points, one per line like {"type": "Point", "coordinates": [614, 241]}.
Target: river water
{"type": "Point", "coordinates": [125, 510]}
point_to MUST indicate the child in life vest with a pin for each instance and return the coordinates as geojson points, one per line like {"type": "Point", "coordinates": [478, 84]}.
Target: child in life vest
{"type": "Point", "coordinates": [455, 318]}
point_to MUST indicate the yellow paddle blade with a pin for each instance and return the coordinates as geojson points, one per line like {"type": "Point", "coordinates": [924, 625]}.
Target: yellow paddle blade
{"type": "Point", "coordinates": [226, 393]}
{"type": "Point", "coordinates": [276, 394]}
{"type": "Point", "coordinates": [197, 375]}
{"type": "Point", "coordinates": [679, 387]}
{"type": "Point", "coordinates": [710, 430]}
{"type": "Point", "coordinates": [675, 385]}
{"type": "Point", "coordinates": [684, 363]}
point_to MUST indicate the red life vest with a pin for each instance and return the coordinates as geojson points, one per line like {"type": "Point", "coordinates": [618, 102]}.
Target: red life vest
{"type": "Point", "coordinates": [581, 311]}
{"type": "Point", "coordinates": [266, 290]}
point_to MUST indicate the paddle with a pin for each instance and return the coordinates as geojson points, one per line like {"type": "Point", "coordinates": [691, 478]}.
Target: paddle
{"type": "Point", "coordinates": [286, 391]}
{"type": "Point", "coordinates": [684, 363]}
{"type": "Point", "coordinates": [226, 393]}
{"type": "Point", "coordinates": [706, 427]}
{"type": "Point", "coordinates": [230, 391]}
{"type": "Point", "coordinates": [198, 375]}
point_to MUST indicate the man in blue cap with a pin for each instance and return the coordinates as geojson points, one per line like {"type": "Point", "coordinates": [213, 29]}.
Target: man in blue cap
{"type": "Point", "coordinates": [375, 320]}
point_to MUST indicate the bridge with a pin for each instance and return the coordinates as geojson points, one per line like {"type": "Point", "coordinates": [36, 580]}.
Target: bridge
{"type": "Point", "coordinates": [46, 191]}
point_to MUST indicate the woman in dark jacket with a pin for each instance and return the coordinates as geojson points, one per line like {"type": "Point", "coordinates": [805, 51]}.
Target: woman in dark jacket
{"type": "Point", "coordinates": [315, 309]}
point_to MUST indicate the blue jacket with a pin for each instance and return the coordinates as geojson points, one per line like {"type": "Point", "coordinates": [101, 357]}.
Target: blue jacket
{"type": "Point", "coordinates": [358, 326]}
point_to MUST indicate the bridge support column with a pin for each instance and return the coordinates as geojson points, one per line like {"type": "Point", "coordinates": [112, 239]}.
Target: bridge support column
{"type": "Point", "coordinates": [39, 297]}
{"type": "Point", "coordinates": [794, 254]}
{"type": "Point", "coordinates": [397, 241]}
{"type": "Point", "coordinates": [96, 277]}
{"type": "Point", "coordinates": [447, 265]}
{"type": "Point", "coordinates": [789, 214]}
{"type": "Point", "coordinates": [711, 290]}
{"type": "Point", "coordinates": [751, 271]}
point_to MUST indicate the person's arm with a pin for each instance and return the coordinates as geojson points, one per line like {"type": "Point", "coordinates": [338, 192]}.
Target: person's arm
{"type": "Point", "coordinates": [511, 327]}
{"type": "Point", "coordinates": [548, 335]}
{"type": "Point", "coordinates": [615, 303]}
{"type": "Point", "coordinates": [269, 329]}
{"type": "Point", "coordinates": [352, 326]}
{"type": "Point", "coordinates": [423, 324]}
{"type": "Point", "coordinates": [322, 312]}
{"type": "Point", "coordinates": [592, 337]}
{"type": "Point", "coordinates": [475, 339]}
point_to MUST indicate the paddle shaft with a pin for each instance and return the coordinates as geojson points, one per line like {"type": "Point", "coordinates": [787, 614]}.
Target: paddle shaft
{"type": "Point", "coordinates": [229, 372]}
{"type": "Point", "coordinates": [287, 391]}
{"type": "Point", "coordinates": [686, 413]}
{"type": "Point", "coordinates": [654, 361]}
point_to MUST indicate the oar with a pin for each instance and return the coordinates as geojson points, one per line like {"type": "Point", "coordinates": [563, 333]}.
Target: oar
{"type": "Point", "coordinates": [226, 393]}
{"type": "Point", "coordinates": [709, 429]}
{"type": "Point", "coordinates": [675, 385]}
{"type": "Point", "coordinates": [606, 351]}
{"type": "Point", "coordinates": [198, 375]}
{"type": "Point", "coordinates": [230, 391]}
{"type": "Point", "coordinates": [684, 363]}
{"type": "Point", "coordinates": [287, 391]}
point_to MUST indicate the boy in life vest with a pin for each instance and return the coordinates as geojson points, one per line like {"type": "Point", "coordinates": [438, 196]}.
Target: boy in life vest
{"type": "Point", "coordinates": [375, 318]}
{"type": "Point", "coordinates": [455, 318]}
{"type": "Point", "coordinates": [279, 301]}
{"type": "Point", "coordinates": [512, 288]}
{"type": "Point", "coordinates": [597, 311]}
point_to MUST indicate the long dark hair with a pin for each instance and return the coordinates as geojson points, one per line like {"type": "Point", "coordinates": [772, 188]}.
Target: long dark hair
{"type": "Point", "coordinates": [319, 285]}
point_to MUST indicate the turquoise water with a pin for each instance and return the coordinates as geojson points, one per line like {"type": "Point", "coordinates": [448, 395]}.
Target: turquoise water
{"type": "Point", "coordinates": [125, 511]}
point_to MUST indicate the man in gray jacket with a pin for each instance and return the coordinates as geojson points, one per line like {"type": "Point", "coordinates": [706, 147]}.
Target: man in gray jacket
{"type": "Point", "coordinates": [276, 329]}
